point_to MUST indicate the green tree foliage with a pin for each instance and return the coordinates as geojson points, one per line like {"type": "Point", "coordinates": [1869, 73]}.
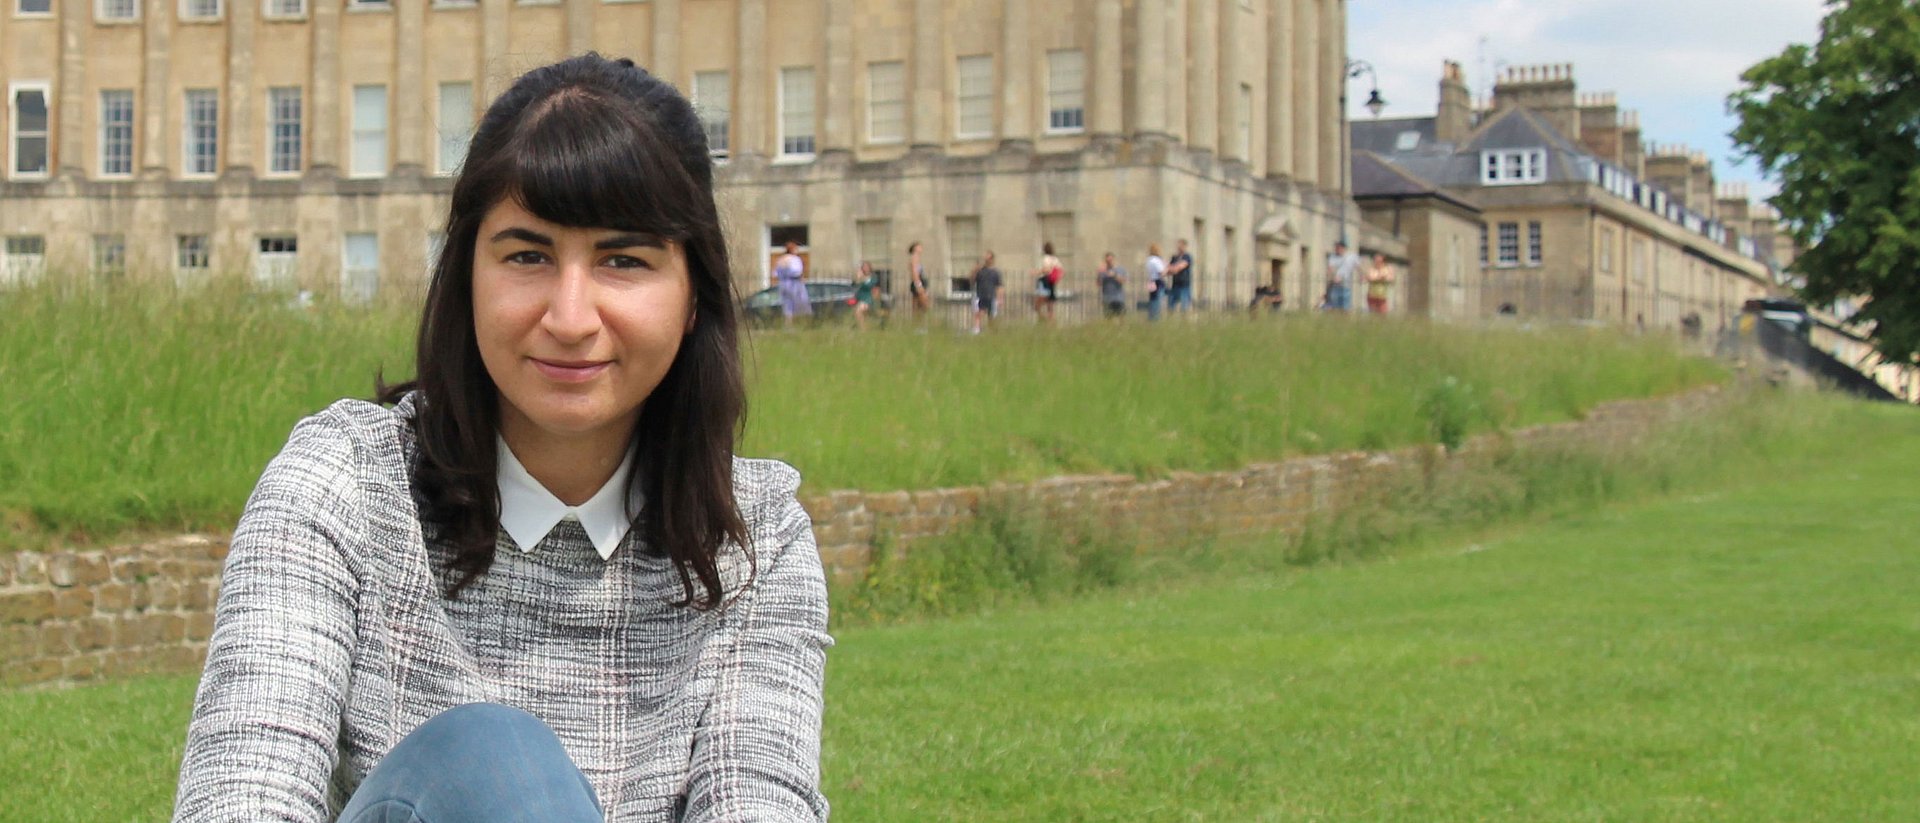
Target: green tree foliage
{"type": "Point", "coordinates": [1838, 123]}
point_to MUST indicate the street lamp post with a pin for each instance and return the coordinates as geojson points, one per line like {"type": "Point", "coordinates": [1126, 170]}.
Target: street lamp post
{"type": "Point", "coordinates": [1375, 104]}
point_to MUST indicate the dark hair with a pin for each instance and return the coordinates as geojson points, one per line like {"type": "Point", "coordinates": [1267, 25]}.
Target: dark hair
{"type": "Point", "coordinates": [588, 142]}
{"type": "Point", "coordinates": [1046, 248]}
{"type": "Point", "coordinates": [913, 245]}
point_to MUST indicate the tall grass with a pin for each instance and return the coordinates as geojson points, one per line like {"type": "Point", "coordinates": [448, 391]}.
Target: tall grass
{"type": "Point", "coordinates": [142, 408]}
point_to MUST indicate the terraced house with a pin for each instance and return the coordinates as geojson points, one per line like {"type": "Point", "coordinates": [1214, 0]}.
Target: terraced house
{"type": "Point", "coordinates": [308, 143]}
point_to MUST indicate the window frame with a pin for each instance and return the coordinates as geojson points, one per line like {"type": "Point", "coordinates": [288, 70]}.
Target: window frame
{"type": "Point", "coordinates": [22, 14]}
{"type": "Point", "coordinates": [1076, 113]}
{"type": "Point", "coordinates": [961, 266]}
{"type": "Point", "coordinates": [100, 12]}
{"type": "Point", "coordinates": [108, 140]}
{"type": "Point", "coordinates": [442, 133]}
{"type": "Point", "coordinates": [1502, 258]}
{"type": "Point", "coordinates": [268, 11]}
{"type": "Point", "coordinates": [22, 268]}
{"type": "Point", "coordinates": [703, 107]}
{"type": "Point", "coordinates": [365, 138]}
{"type": "Point", "coordinates": [286, 262]}
{"type": "Point", "coordinates": [962, 65]}
{"type": "Point", "coordinates": [14, 89]}
{"type": "Point", "coordinates": [1513, 167]}
{"type": "Point", "coordinates": [1536, 242]}
{"type": "Point", "coordinates": [189, 141]}
{"type": "Point", "coordinates": [785, 90]}
{"type": "Point", "coordinates": [185, 11]}
{"type": "Point", "coordinates": [201, 251]}
{"type": "Point", "coordinates": [896, 104]}
{"type": "Point", "coordinates": [273, 124]}
{"type": "Point", "coordinates": [362, 283]}
{"type": "Point", "coordinates": [109, 256]}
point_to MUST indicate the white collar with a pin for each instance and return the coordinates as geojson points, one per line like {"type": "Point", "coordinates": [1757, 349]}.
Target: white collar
{"type": "Point", "coordinates": [528, 511]}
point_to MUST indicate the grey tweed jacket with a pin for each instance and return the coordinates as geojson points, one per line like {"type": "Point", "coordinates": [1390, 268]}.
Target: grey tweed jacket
{"type": "Point", "coordinates": [332, 641]}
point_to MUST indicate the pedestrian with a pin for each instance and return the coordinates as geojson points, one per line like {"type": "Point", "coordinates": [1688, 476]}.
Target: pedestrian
{"type": "Point", "coordinates": [1342, 266]}
{"type": "Point", "coordinates": [864, 291]}
{"type": "Point", "coordinates": [1379, 284]}
{"type": "Point", "coordinates": [1156, 281]}
{"type": "Point", "coordinates": [1046, 284]}
{"type": "Point", "coordinates": [1113, 287]}
{"type": "Point", "coordinates": [534, 582]}
{"type": "Point", "coordinates": [917, 282]}
{"type": "Point", "coordinates": [1180, 270]}
{"type": "Point", "coordinates": [791, 269]}
{"type": "Point", "coordinates": [986, 293]}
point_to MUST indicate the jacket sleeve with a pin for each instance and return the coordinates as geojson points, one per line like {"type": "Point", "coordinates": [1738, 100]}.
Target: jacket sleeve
{"type": "Point", "coordinates": [263, 739]}
{"type": "Point", "coordinates": [756, 753]}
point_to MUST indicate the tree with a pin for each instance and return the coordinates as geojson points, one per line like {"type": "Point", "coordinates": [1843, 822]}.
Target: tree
{"type": "Point", "coordinates": [1838, 124]}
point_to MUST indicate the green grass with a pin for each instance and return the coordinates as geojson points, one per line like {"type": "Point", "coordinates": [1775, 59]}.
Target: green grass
{"type": "Point", "coordinates": [1742, 649]}
{"type": "Point", "coordinates": [138, 409]}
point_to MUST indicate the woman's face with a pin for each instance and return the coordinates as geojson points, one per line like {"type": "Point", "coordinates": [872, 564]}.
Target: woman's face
{"type": "Point", "coordinates": [576, 326]}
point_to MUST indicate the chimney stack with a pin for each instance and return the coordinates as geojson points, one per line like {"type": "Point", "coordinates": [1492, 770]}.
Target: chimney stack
{"type": "Point", "coordinates": [1456, 105]}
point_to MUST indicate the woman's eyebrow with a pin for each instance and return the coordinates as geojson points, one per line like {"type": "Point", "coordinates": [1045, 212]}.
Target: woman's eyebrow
{"type": "Point", "coordinates": [527, 235]}
{"type": "Point", "coordinates": [631, 240]}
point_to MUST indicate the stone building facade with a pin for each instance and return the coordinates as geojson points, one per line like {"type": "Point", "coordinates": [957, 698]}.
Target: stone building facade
{"type": "Point", "coordinates": [1578, 218]}
{"type": "Point", "coordinates": [309, 143]}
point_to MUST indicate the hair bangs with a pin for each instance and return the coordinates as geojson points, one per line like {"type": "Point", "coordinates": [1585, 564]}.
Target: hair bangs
{"type": "Point", "coordinates": [588, 163]}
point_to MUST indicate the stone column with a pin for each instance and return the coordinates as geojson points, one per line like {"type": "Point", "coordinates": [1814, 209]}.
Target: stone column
{"type": "Point", "coordinates": [1280, 114]}
{"type": "Point", "coordinates": [752, 82]}
{"type": "Point", "coordinates": [664, 62]}
{"type": "Point", "coordinates": [493, 42]}
{"type": "Point", "coordinates": [323, 98]}
{"type": "Point", "coordinates": [1203, 74]}
{"type": "Point", "coordinates": [70, 92]}
{"type": "Point", "coordinates": [1229, 54]}
{"type": "Point", "coordinates": [1175, 89]}
{"type": "Point", "coordinates": [1107, 105]}
{"type": "Point", "coordinates": [410, 133]}
{"type": "Point", "coordinates": [153, 94]}
{"type": "Point", "coordinates": [236, 106]}
{"type": "Point", "coordinates": [928, 76]}
{"type": "Point", "coordinates": [835, 102]}
{"type": "Point", "coordinates": [580, 26]}
{"type": "Point", "coordinates": [1306, 91]}
{"type": "Point", "coordinates": [1016, 76]}
{"type": "Point", "coordinates": [1334, 76]}
{"type": "Point", "coordinates": [1150, 67]}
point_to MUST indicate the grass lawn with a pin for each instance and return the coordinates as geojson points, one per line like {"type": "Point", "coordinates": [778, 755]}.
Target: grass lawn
{"type": "Point", "coordinates": [1742, 653]}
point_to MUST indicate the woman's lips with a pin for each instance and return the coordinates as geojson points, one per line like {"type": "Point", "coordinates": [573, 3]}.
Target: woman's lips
{"type": "Point", "coordinates": [570, 371]}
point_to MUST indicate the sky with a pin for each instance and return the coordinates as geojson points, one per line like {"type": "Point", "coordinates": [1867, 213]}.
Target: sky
{"type": "Point", "coordinates": [1673, 61]}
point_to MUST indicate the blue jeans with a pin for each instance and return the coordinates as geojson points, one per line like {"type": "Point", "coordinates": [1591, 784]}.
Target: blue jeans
{"type": "Point", "coordinates": [1180, 298]}
{"type": "Point", "coordinates": [477, 763]}
{"type": "Point", "coordinates": [1339, 298]}
{"type": "Point", "coordinates": [1153, 306]}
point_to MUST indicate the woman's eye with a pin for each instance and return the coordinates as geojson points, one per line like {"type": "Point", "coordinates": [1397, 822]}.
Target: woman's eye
{"type": "Point", "coordinates": [526, 258]}
{"type": "Point", "coordinates": [625, 261]}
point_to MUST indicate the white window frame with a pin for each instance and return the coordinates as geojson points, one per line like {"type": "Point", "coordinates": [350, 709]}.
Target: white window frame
{"type": "Point", "coordinates": [192, 253]}
{"type": "Point", "coordinates": [1507, 246]}
{"type": "Point", "coordinates": [273, 123]}
{"type": "Point", "coordinates": [886, 102]}
{"type": "Point", "coordinates": [961, 260]}
{"type": "Point", "coordinates": [22, 268]}
{"type": "Point", "coordinates": [190, 142]}
{"type": "Point", "coordinates": [108, 140]}
{"type": "Point", "coordinates": [100, 8]}
{"type": "Point", "coordinates": [1513, 167]}
{"type": "Point", "coordinates": [1066, 91]}
{"type": "Point", "coordinates": [186, 10]}
{"type": "Point", "coordinates": [13, 129]}
{"type": "Point", "coordinates": [1536, 242]}
{"type": "Point", "coordinates": [795, 80]}
{"type": "Point", "coordinates": [22, 14]}
{"type": "Point", "coordinates": [364, 6]}
{"type": "Point", "coordinates": [109, 255]}
{"type": "Point", "coordinates": [367, 157]}
{"type": "Point", "coordinates": [277, 268]}
{"type": "Point", "coordinates": [359, 283]}
{"type": "Point", "coordinates": [973, 96]}
{"type": "Point", "coordinates": [271, 9]}
{"type": "Point", "coordinates": [716, 116]}
{"type": "Point", "coordinates": [453, 129]}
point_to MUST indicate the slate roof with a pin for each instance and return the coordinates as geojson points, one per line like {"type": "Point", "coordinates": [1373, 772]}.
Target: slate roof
{"type": "Point", "coordinates": [1445, 165]}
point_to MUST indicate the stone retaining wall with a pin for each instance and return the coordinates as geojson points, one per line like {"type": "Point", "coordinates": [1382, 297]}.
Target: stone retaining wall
{"type": "Point", "coordinates": [81, 615]}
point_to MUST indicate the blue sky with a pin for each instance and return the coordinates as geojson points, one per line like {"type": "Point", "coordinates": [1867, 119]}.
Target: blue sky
{"type": "Point", "coordinates": [1674, 61]}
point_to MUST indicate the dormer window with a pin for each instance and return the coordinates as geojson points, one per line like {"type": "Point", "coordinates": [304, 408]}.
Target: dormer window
{"type": "Point", "coordinates": [1513, 167]}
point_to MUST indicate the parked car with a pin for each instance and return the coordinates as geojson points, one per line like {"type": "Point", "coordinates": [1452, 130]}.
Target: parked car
{"type": "Point", "coordinates": [1789, 314]}
{"type": "Point", "coordinates": [832, 301]}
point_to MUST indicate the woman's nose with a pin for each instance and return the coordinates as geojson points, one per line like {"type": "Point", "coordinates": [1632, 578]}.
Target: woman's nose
{"type": "Point", "coordinates": [572, 313]}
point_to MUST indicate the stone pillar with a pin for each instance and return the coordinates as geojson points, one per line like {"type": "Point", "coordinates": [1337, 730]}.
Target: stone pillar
{"type": "Point", "coordinates": [1227, 56]}
{"type": "Point", "coordinates": [752, 82]}
{"type": "Point", "coordinates": [70, 103]}
{"type": "Point", "coordinates": [1150, 70]}
{"type": "Point", "coordinates": [1107, 105]}
{"type": "Point", "coordinates": [237, 141]}
{"type": "Point", "coordinates": [413, 112]}
{"type": "Point", "coordinates": [1175, 88]}
{"type": "Point", "coordinates": [1203, 74]}
{"type": "Point", "coordinates": [664, 62]}
{"type": "Point", "coordinates": [322, 119]}
{"type": "Point", "coordinates": [1280, 114]}
{"type": "Point", "coordinates": [493, 43]}
{"type": "Point", "coordinates": [1334, 76]}
{"type": "Point", "coordinates": [1306, 91]}
{"type": "Point", "coordinates": [1016, 76]}
{"type": "Point", "coordinates": [835, 102]}
{"type": "Point", "coordinates": [928, 60]}
{"type": "Point", "coordinates": [153, 94]}
{"type": "Point", "coordinates": [580, 26]}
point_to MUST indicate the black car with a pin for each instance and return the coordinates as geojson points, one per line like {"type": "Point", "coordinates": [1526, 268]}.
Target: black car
{"type": "Point", "coordinates": [832, 300]}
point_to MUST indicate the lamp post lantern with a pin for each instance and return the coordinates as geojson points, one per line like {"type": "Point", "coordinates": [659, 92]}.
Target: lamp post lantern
{"type": "Point", "coordinates": [1375, 104]}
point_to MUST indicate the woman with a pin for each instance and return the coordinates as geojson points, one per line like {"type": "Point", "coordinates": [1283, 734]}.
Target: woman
{"type": "Point", "coordinates": [1046, 284]}
{"type": "Point", "coordinates": [792, 272]}
{"type": "Point", "coordinates": [917, 282]}
{"type": "Point", "coordinates": [538, 585]}
{"type": "Point", "coordinates": [1379, 284]}
{"type": "Point", "coordinates": [863, 292]}
{"type": "Point", "coordinates": [1156, 281]}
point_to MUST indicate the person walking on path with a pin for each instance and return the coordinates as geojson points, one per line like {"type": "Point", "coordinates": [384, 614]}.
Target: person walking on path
{"type": "Point", "coordinates": [1180, 270]}
{"type": "Point", "coordinates": [1046, 284]}
{"type": "Point", "coordinates": [1342, 267]}
{"type": "Point", "coordinates": [917, 282]}
{"type": "Point", "coordinates": [1156, 281]}
{"type": "Point", "coordinates": [1113, 287]}
{"type": "Point", "coordinates": [792, 273]}
{"type": "Point", "coordinates": [1379, 284]}
{"type": "Point", "coordinates": [864, 290]}
{"type": "Point", "coordinates": [986, 293]}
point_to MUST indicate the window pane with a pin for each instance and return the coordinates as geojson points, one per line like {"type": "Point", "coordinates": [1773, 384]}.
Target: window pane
{"type": "Point", "coordinates": [369, 131]}
{"type": "Point", "coordinates": [360, 266]}
{"type": "Point", "coordinates": [454, 125]}
{"type": "Point", "coordinates": [963, 252]}
{"type": "Point", "coordinates": [191, 251]}
{"type": "Point", "coordinates": [713, 98]}
{"type": "Point", "coordinates": [886, 101]}
{"type": "Point", "coordinates": [796, 111]}
{"type": "Point", "coordinates": [283, 105]}
{"type": "Point", "coordinates": [30, 131]}
{"type": "Point", "coordinates": [974, 117]}
{"type": "Point", "coordinates": [1509, 243]}
{"type": "Point", "coordinates": [202, 131]}
{"type": "Point", "coordinates": [36, 6]}
{"type": "Point", "coordinates": [116, 131]}
{"type": "Point", "coordinates": [1066, 100]}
